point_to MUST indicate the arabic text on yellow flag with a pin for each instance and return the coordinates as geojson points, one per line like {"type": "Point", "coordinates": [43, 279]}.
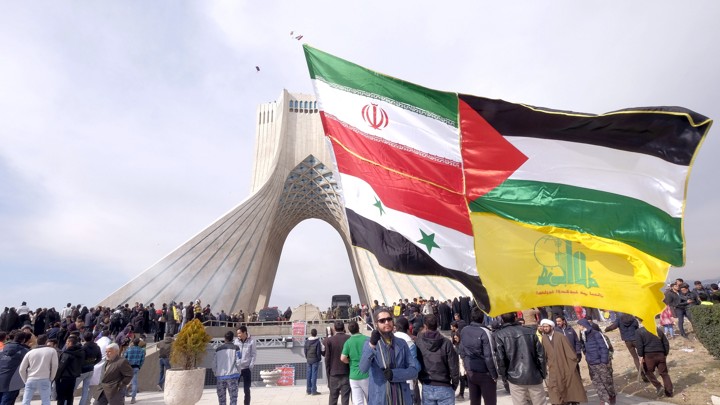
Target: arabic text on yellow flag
{"type": "Point", "coordinates": [526, 266]}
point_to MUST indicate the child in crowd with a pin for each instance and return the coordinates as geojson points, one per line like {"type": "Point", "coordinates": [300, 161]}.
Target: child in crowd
{"type": "Point", "coordinates": [666, 320]}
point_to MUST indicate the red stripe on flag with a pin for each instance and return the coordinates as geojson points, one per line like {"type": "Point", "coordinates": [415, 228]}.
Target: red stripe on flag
{"type": "Point", "coordinates": [407, 194]}
{"type": "Point", "coordinates": [488, 158]}
{"type": "Point", "coordinates": [401, 158]}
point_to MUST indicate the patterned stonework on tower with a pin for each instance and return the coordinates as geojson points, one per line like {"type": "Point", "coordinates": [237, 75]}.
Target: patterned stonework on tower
{"type": "Point", "coordinates": [232, 264]}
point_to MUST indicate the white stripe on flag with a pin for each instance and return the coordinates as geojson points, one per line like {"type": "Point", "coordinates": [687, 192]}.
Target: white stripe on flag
{"type": "Point", "coordinates": [643, 177]}
{"type": "Point", "coordinates": [456, 250]}
{"type": "Point", "coordinates": [419, 132]}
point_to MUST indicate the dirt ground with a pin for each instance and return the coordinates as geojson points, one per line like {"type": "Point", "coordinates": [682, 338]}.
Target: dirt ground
{"type": "Point", "coordinates": [694, 373]}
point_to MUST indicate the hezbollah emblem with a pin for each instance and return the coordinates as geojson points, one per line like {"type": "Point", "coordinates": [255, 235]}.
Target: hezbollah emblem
{"type": "Point", "coordinates": [561, 265]}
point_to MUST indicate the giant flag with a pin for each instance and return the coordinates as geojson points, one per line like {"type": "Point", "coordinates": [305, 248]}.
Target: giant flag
{"type": "Point", "coordinates": [525, 206]}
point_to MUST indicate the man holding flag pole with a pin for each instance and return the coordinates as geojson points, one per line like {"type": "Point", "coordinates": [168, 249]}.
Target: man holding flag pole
{"type": "Point", "coordinates": [388, 360]}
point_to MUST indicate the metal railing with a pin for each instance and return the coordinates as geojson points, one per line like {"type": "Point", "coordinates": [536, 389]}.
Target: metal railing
{"type": "Point", "coordinates": [231, 324]}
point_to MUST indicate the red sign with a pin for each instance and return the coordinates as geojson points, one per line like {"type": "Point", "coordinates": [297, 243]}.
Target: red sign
{"type": "Point", "coordinates": [298, 332]}
{"type": "Point", "coordinates": [287, 376]}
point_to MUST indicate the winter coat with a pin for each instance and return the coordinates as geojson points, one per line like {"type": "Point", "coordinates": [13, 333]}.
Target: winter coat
{"type": "Point", "coordinates": [402, 364]}
{"type": "Point", "coordinates": [116, 374]}
{"type": "Point", "coordinates": [596, 350]}
{"type": "Point", "coordinates": [313, 350]}
{"type": "Point", "coordinates": [225, 364]}
{"type": "Point", "coordinates": [477, 350]}
{"type": "Point", "coordinates": [248, 352]}
{"type": "Point", "coordinates": [520, 355]}
{"type": "Point", "coordinates": [71, 362]}
{"type": "Point", "coordinates": [627, 325]}
{"type": "Point", "coordinates": [646, 342]}
{"type": "Point", "coordinates": [333, 350]}
{"type": "Point", "coordinates": [164, 348]}
{"type": "Point", "coordinates": [93, 355]}
{"type": "Point", "coordinates": [438, 359]}
{"type": "Point", "coordinates": [10, 359]}
{"type": "Point", "coordinates": [672, 298]}
{"type": "Point", "coordinates": [572, 338]}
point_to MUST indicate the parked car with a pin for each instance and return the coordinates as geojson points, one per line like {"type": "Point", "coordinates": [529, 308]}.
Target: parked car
{"type": "Point", "coordinates": [270, 314]}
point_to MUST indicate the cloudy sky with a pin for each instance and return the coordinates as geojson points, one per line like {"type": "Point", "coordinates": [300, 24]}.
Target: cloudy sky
{"type": "Point", "coordinates": [127, 127]}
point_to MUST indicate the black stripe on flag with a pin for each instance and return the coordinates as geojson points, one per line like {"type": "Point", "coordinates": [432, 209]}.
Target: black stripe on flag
{"type": "Point", "coordinates": [663, 132]}
{"type": "Point", "coordinates": [394, 252]}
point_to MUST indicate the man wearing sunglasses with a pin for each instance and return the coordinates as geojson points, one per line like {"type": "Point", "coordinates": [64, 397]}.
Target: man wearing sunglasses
{"type": "Point", "coordinates": [388, 360]}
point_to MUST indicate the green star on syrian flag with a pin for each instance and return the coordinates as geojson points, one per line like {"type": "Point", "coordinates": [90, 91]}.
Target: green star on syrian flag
{"type": "Point", "coordinates": [428, 241]}
{"type": "Point", "coordinates": [379, 205]}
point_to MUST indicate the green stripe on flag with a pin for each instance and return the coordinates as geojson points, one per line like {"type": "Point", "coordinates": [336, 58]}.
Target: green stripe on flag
{"type": "Point", "coordinates": [598, 213]}
{"type": "Point", "coordinates": [341, 73]}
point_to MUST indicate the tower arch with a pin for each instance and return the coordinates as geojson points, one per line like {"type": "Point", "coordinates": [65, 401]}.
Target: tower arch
{"type": "Point", "coordinates": [232, 263]}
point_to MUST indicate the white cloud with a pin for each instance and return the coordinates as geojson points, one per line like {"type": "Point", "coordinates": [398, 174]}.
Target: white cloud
{"type": "Point", "coordinates": [128, 128]}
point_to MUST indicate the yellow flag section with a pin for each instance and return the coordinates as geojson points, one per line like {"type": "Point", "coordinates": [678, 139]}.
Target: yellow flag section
{"type": "Point", "coordinates": [524, 266]}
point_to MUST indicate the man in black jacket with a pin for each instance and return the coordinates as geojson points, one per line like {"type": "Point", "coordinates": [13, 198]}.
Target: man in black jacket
{"type": "Point", "coordinates": [312, 351]}
{"type": "Point", "coordinates": [439, 372]}
{"type": "Point", "coordinates": [520, 359]}
{"type": "Point", "coordinates": [476, 350]}
{"type": "Point", "coordinates": [338, 372]}
{"type": "Point", "coordinates": [628, 325]}
{"type": "Point", "coordinates": [654, 351]}
{"type": "Point", "coordinates": [93, 355]}
{"type": "Point", "coordinates": [69, 369]}
{"type": "Point", "coordinates": [687, 299]}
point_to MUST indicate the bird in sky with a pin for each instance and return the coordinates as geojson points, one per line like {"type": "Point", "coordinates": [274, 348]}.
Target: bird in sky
{"type": "Point", "coordinates": [257, 68]}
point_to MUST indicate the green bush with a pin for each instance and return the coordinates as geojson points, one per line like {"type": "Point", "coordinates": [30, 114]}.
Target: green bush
{"type": "Point", "coordinates": [190, 345]}
{"type": "Point", "coordinates": [706, 324]}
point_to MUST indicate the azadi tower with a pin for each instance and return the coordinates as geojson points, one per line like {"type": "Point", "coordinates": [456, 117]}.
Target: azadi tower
{"type": "Point", "coordinates": [232, 263]}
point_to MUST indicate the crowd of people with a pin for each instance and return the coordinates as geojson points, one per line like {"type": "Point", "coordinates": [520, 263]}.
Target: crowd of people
{"type": "Point", "coordinates": [679, 298]}
{"type": "Point", "coordinates": [534, 356]}
{"type": "Point", "coordinates": [533, 352]}
{"type": "Point", "coordinates": [54, 352]}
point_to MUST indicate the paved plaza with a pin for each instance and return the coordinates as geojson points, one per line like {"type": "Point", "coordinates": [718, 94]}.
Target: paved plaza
{"type": "Point", "coordinates": [296, 395]}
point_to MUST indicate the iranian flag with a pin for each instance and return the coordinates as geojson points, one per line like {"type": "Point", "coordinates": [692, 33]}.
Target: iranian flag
{"type": "Point", "coordinates": [545, 207]}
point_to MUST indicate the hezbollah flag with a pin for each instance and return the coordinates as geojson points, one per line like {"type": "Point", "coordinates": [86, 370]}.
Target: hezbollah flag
{"type": "Point", "coordinates": [525, 206]}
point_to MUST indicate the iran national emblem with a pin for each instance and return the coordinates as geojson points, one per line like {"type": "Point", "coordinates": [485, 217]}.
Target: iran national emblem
{"type": "Point", "coordinates": [375, 116]}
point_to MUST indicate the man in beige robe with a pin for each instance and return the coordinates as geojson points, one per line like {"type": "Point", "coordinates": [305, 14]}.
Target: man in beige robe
{"type": "Point", "coordinates": [563, 381]}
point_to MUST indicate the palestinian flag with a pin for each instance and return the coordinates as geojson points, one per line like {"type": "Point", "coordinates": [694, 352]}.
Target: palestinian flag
{"type": "Point", "coordinates": [594, 216]}
{"type": "Point", "coordinates": [546, 207]}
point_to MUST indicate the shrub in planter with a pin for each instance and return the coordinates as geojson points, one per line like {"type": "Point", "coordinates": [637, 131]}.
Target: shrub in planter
{"type": "Point", "coordinates": [189, 346]}
{"type": "Point", "coordinates": [184, 384]}
{"type": "Point", "coordinates": [706, 324]}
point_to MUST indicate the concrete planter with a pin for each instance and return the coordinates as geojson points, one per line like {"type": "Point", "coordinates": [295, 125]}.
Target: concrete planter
{"type": "Point", "coordinates": [184, 387]}
{"type": "Point", "coordinates": [270, 377]}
